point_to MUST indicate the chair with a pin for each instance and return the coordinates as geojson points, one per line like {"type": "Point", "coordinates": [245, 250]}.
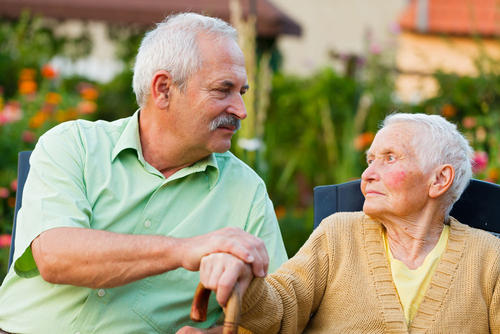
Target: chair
{"type": "Point", "coordinates": [23, 167]}
{"type": "Point", "coordinates": [476, 207]}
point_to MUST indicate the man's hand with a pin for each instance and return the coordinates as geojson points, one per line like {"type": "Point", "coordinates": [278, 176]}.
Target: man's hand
{"type": "Point", "coordinates": [220, 272]}
{"type": "Point", "coordinates": [237, 242]}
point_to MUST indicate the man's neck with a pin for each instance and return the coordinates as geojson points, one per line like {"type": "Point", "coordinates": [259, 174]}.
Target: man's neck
{"type": "Point", "coordinates": [161, 149]}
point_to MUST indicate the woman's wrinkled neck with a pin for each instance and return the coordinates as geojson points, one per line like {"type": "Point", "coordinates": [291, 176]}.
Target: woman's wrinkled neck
{"type": "Point", "coordinates": [411, 239]}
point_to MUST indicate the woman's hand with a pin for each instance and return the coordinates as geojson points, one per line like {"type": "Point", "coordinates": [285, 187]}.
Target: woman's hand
{"type": "Point", "coordinates": [221, 271]}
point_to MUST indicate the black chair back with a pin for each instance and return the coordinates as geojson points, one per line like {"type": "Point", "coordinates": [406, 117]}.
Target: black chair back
{"type": "Point", "coordinates": [23, 167]}
{"type": "Point", "coordinates": [476, 207]}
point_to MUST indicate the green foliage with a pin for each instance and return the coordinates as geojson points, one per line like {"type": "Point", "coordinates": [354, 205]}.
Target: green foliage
{"type": "Point", "coordinates": [473, 103]}
{"type": "Point", "coordinates": [30, 42]}
{"type": "Point", "coordinates": [116, 99]}
{"type": "Point", "coordinates": [309, 134]}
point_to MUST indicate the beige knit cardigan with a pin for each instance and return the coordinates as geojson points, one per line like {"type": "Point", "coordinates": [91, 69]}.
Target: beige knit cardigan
{"type": "Point", "coordinates": [340, 282]}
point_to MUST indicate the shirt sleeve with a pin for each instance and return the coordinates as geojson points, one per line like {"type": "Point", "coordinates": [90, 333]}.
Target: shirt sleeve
{"type": "Point", "coordinates": [262, 223]}
{"type": "Point", "coordinates": [285, 300]}
{"type": "Point", "coordinates": [54, 194]}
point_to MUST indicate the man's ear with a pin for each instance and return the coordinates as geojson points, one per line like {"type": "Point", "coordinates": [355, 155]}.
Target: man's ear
{"type": "Point", "coordinates": [443, 179]}
{"type": "Point", "coordinates": [161, 87]}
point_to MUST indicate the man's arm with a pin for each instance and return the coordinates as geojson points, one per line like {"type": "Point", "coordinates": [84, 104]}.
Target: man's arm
{"type": "Point", "coordinates": [101, 259]}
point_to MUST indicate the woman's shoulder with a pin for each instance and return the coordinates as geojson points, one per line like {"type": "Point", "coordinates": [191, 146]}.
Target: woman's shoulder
{"type": "Point", "coordinates": [475, 235]}
{"type": "Point", "coordinates": [480, 244]}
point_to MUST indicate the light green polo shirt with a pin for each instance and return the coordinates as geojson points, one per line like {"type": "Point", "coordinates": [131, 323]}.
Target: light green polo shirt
{"type": "Point", "coordinates": [93, 175]}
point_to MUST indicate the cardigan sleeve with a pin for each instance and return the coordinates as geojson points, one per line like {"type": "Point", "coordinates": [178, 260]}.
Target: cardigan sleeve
{"type": "Point", "coordinates": [495, 308]}
{"type": "Point", "coordinates": [286, 299]}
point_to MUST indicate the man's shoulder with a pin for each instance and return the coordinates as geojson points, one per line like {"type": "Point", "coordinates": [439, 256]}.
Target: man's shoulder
{"type": "Point", "coordinates": [86, 132]}
{"type": "Point", "coordinates": [84, 126]}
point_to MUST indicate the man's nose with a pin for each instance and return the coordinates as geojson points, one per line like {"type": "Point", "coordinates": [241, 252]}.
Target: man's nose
{"type": "Point", "coordinates": [237, 107]}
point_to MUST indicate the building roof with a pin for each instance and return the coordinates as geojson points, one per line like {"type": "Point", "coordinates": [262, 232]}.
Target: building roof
{"type": "Point", "coordinates": [453, 17]}
{"type": "Point", "coordinates": [270, 20]}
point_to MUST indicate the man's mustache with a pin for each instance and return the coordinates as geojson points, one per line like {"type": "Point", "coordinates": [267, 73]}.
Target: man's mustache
{"type": "Point", "coordinates": [225, 120]}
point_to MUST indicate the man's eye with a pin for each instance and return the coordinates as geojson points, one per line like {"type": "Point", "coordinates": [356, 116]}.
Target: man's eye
{"type": "Point", "coordinates": [391, 157]}
{"type": "Point", "coordinates": [221, 91]}
{"type": "Point", "coordinates": [369, 161]}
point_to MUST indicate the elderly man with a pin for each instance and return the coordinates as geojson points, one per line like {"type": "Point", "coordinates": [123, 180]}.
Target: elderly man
{"type": "Point", "coordinates": [116, 216]}
{"type": "Point", "coordinates": [403, 265]}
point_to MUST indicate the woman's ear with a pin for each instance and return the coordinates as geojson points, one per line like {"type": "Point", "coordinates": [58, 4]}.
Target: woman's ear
{"type": "Point", "coordinates": [161, 86]}
{"type": "Point", "coordinates": [443, 179]}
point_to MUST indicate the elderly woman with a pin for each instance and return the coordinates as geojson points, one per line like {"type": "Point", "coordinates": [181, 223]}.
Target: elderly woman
{"type": "Point", "coordinates": [402, 265]}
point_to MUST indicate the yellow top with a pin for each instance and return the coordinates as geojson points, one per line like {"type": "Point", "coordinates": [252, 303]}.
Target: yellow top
{"type": "Point", "coordinates": [412, 284]}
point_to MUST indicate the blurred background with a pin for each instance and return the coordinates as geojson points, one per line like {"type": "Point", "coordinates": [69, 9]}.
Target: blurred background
{"type": "Point", "coordinates": [323, 73]}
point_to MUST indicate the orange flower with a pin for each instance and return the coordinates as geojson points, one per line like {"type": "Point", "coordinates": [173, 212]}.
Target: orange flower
{"type": "Point", "coordinates": [27, 74]}
{"type": "Point", "coordinates": [363, 140]}
{"type": "Point", "coordinates": [89, 93]}
{"type": "Point", "coordinates": [48, 72]}
{"type": "Point", "coordinates": [27, 87]}
{"type": "Point", "coordinates": [280, 211]}
{"type": "Point", "coordinates": [38, 119]}
{"type": "Point", "coordinates": [53, 98]}
{"type": "Point", "coordinates": [66, 115]}
{"type": "Point", "coordinates": [11, 201]}
{"type": "Point", "coordinates": [448, 111]}
{"type": "Point", "coordinates": [87, 107]}
{"type": "Point", "coordinates": [493, 174]}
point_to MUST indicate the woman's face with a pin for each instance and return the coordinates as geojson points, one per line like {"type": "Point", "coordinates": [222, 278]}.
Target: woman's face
{"type": "Point", "coordinates": [393, 183]}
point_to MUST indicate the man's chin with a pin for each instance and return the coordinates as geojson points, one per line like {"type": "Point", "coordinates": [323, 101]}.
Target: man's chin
{"type": "Point", "coordinates": [221, 148]}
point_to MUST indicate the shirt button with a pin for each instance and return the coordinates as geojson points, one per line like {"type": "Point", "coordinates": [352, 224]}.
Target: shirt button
{"type": "Point", "coordinates": [101, 292]}
{"type": "Point", "coordinates": [147, 223]}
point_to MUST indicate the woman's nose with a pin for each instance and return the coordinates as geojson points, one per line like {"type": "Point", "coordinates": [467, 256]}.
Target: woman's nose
{"type": "Point", "coordinates": [370, 173]}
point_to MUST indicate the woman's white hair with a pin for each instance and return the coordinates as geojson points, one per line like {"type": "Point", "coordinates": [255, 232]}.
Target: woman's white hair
{"type": "Point", "coordinates": [439, 142]}
{"type": "Point", "coordinates": [172, 46]}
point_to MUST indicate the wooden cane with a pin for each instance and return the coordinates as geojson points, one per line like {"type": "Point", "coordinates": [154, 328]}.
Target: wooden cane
{"type": "Point", "coordinates": [232, 310]}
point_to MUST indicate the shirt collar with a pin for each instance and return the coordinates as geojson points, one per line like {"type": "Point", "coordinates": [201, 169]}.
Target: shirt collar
{"type": "Point", "coordinates": [130, 139]}
{"type": "Point", "coordinates": [208, 165]}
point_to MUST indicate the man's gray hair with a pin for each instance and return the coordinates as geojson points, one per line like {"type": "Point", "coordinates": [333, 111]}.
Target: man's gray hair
{"type": "Point", "coordinates": [172, 46]}
{"type": "Point", "coordinates": [439, 142]}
